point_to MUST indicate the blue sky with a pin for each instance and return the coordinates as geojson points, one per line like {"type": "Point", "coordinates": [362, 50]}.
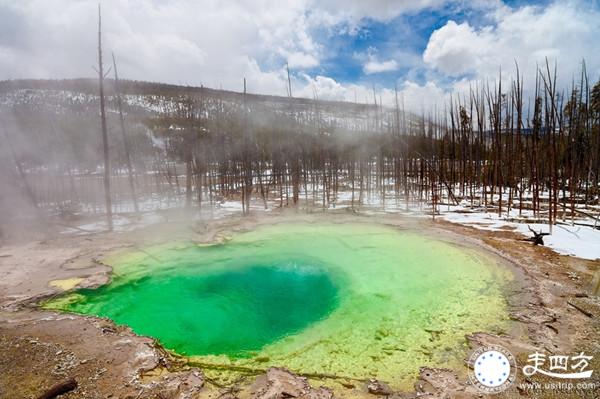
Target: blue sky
{"type": "Point", "coordinates": [408, 34]}
{"type": "Point", "coordinates": [403, 38]}
{"type": "Point", "coordinates": [423, 47]}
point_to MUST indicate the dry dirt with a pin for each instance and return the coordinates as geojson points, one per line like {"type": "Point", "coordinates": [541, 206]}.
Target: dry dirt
{"type": "Point", "coordinates": [553, 308]}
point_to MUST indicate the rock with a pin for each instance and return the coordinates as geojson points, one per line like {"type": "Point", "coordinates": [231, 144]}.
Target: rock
{"type": "Point", "coordinates": [145, 358]}
{"type": "Point", "coordinates": [442, 384]}
{"type": "Point", "coordinates": [409, 395]}
{"type": "Point", "coordinates": [183, 385]}
{"type": "Point", "coordinates": [376, 387]}
{"type": "Point", "coordinates": [319, 393]}
{"type": "Point", "coordinates": [280, 383]}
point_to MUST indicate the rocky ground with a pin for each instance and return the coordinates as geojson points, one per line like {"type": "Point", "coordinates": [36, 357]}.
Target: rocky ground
{"type": "Point", "coordinates": [554, 310]}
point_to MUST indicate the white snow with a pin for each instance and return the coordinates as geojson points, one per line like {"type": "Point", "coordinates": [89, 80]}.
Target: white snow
{"type": "Point", "coordinates": [580, 241]}
{"type": "Point", "coordinates": [566, 238]}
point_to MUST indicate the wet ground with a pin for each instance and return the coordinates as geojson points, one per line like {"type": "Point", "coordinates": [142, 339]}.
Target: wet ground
{"type": "Point", "coordinates": [553, 312]}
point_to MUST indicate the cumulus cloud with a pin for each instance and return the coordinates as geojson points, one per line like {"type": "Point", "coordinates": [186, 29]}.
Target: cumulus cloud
{"type": "Point", "coordinates": [383, 10]}
{"type": "Point", "coordinates": [212, 42]}
{"type": "Point", "coordinates": [375, 66]}
{"type": "Point", "coordinates": [419, 98]}
{"type": "Point", "coordinates": [327, 88]}
{"type": "Point", "coordinates": [563, 31]}
{"type": "Point", "coordinates": [412, 96]}
{"type": "Point", "coordinates": [323, 87]}
{"type": "Point", "coordinates": [301, 60]}
{"type": "Point", "coordinates": [217, 43]}
{"type": "Point", "coordinates": [456, 49]}
{"type": "Point", "coordinates": [372, 64]}
{"type": "Point", "coordinates": [180, 41]}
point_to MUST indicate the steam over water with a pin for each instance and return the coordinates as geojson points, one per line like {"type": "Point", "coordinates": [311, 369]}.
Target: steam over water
{"type": "Point", "coordinates": [356, 300]}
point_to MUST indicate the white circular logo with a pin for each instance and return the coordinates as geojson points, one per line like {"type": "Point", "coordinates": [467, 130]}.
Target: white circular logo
{"type": "Point", "coordinates": [494, 368]}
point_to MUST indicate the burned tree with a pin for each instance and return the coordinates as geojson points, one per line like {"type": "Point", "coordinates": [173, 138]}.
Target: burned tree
{"type": "Point", "coordinates": [105, 150]}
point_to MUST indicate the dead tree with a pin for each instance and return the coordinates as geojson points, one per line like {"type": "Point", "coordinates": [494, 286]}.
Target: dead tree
{"type": "Point", "coordinates": [23, 177]}
{"type": "Point", "coordinates": [295, 162]}
{"type": "Point", "coordinates": [126, 143]}
{"type": "Point", "coordinates": [104, 129]}
{"type": "Point", "coordinates": [538, 238]}
{"type": "Point", "coordinates": [59, 389]}
{"type": "Point", "coordinates": [246, 160]}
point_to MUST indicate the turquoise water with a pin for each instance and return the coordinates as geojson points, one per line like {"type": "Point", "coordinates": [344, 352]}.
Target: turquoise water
{"type": "Point", "coordinates": [359, 300]}
{"type": "Point", "coordinates": [232, 312]}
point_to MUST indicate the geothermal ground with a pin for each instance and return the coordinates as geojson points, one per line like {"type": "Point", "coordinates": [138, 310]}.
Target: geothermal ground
{"type": "Point", "coordinates": [550, 306]}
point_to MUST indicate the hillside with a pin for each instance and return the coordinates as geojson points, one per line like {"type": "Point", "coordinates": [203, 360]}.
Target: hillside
{"type": "Point", "coordinates": [21, 90]}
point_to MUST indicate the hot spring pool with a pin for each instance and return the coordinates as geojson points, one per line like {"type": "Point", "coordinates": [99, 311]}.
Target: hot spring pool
{"type": "Point", "coordinates": [357, 300]}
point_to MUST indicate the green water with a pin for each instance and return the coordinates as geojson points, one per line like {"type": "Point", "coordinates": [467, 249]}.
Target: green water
{"type": "Point", "coordinates": [233, 312]}
{"type": "Point", "coordinates": [359, 300]}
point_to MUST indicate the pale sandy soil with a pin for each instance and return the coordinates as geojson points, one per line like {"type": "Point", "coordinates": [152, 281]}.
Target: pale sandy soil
{"type": "Point", "coordinates": [553, 308]}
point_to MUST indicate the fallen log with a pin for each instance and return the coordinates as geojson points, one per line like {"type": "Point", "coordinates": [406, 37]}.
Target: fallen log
{"type": "Point", "coordinates": [59, 389]}
{"type": "Point", "coordinates": [257, 371]}
{"type": "Point", "coordinates": [582, 310]}
{"type": "Point", "coordinates": [538, 238]}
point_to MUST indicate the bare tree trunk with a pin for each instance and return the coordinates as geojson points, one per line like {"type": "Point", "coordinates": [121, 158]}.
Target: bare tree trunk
{"type": "Point", "coordinates": [28, 190]}
{"type": "Point", "coordinates": [126, 143]}
{"type": "Point", "coordinates": [104, 129]}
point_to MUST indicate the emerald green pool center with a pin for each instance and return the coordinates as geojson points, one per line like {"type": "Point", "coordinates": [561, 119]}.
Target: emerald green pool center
{"type": "Point", "coordinates": [359, 300]}
{"type": "Point", "coordinates": [194, 311]}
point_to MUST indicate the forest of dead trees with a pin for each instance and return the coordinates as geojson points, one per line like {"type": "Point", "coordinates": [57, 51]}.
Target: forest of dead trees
{"type": "Point", "coordinates": [492, 148]}
{"type": "Point", "coordinates": [69, 151]}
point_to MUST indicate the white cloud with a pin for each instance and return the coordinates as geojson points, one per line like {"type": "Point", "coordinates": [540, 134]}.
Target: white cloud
{"type": "Point", "coordinates": [211, 42]}
{"type": "Point", "coordinates": [419, 98]}
{"type": "Point", "coordinates": [564, 31]}
{"type": "Point", "coordinates": [383, 10]}
{"type": "Point", "coordinates": [327, 88]}
{"type": "Point", "coordinates": [302, 60]}
{"type": "Point", "coordinates": [178, 41]}
{"type": "Point", "coordinates": [456, 49]}
{"type": "Point", "coordinates": [323, 87]}
{"type": "Point", "coordinates": [372, 64]}
{"type": "Point", "coordinates": [413, 96]}
{"type": "Point", "coordinates": [375, 66]}
{"type": "Point", "coordinates": [217, 43]}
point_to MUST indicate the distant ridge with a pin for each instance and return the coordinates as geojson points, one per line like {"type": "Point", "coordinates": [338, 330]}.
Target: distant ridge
{"type": "Point", "coordinates": [136, 87]}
